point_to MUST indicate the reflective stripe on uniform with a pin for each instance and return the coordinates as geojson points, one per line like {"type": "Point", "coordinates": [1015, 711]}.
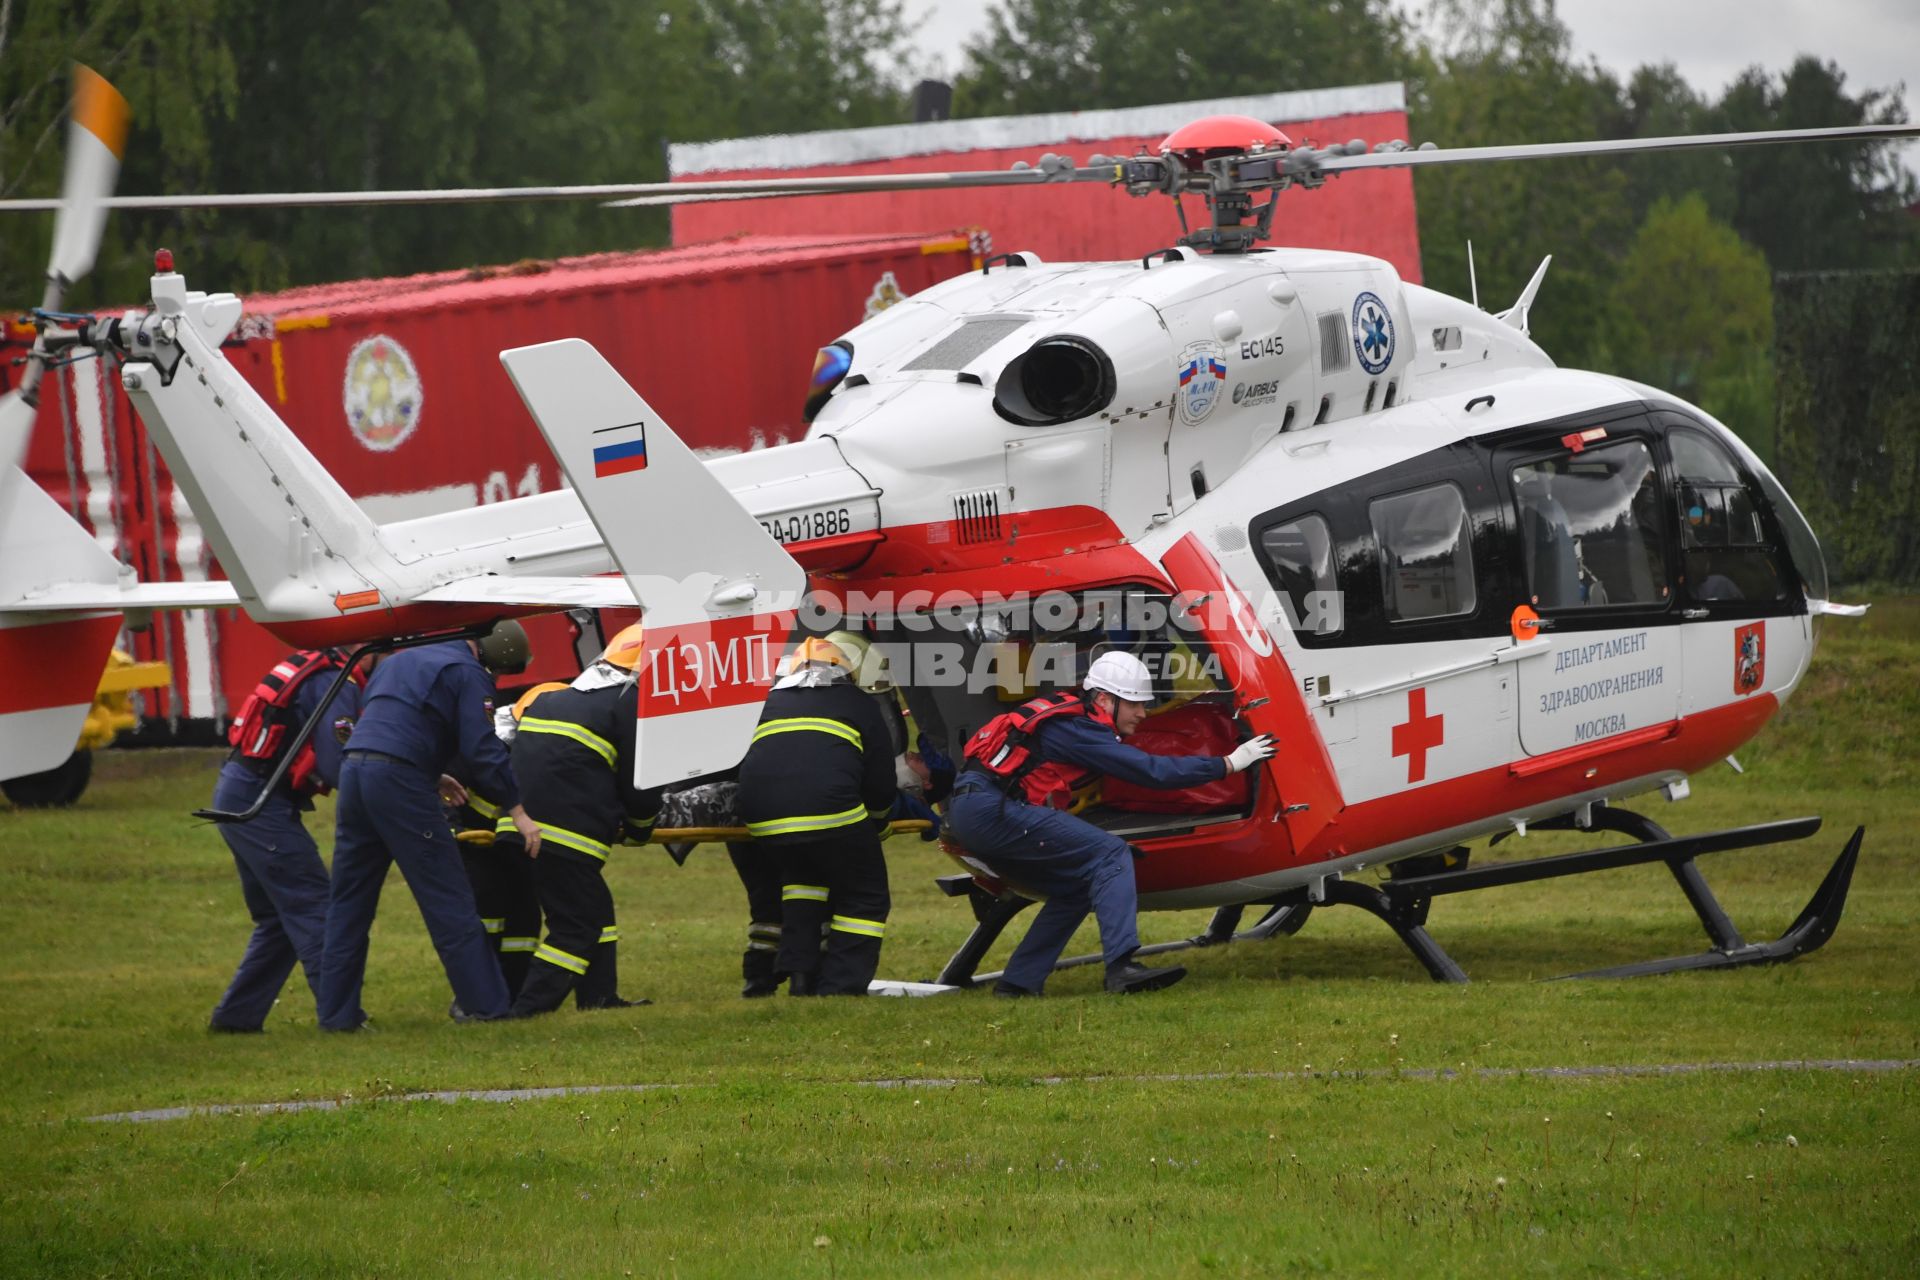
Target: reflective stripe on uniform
{"type": "Point", "coordinates": [763, 937]}
{"type": "Point", "coordinates": [554, 956]}
{"type": "Point", "coordinates": [883, 811]}
{"type": "Point", "coordinates": [505, 827]}
{"type": "Point", "coordinates": [483, 806]}
{"type": "Point", "coordinates": [574, 840]}
{"type": "Point", "coordinates": [803, 893]}
{"type": "Point", "coordinates": [561, 728]}
{"type": "Point", "coordinates": [610, 934]}
{"type": "Point", "coordinates": [808, 724]}
{"type": "Point", "coordinates": [809, 822]}
{"type": "Point", "coordinates": [865, 928]}
{"type": "Point", "coordinates": [519, 944]}
{"type": "Point", "coordinates": [492, 925]}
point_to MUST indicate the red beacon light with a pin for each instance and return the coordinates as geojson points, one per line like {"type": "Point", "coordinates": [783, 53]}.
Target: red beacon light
{"type": "Point", "coordinates": [1213, 136]}
{"type": "Point", "coordinates": [162, 261]}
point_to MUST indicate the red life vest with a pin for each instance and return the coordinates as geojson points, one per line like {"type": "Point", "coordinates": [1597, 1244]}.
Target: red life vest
{"type": "Point", "coordinates": [1003, 746]}
{"type": "Point", "coordinates": [266, 721]}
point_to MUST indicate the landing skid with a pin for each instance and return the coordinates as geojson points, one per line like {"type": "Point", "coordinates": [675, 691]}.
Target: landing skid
{"type": "Point", "coordinates": [1403, 900]}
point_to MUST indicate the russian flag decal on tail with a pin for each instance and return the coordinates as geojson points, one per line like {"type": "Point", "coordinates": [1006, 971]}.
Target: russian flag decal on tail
{"type": "Point", "coordinates": [622, 455]}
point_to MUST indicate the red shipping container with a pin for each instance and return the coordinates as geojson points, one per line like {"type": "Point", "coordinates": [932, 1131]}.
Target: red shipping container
{"type": "Point", "coordinates": [396, 387]}
{"type": "Point", "coordinates": [1369, 213]}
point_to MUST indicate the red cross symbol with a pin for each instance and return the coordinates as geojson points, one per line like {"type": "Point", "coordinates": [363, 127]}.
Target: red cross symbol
{"type": "Point", "coordinates": [1419, 735]}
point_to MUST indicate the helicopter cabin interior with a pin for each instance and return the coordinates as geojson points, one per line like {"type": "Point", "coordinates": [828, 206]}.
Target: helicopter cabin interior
{"type": "Point", "coordinates": [1639, 512]}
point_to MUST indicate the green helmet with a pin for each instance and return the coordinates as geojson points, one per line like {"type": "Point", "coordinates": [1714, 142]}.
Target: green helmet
{"type": "Point", "coordinates": [871, 670]}
{"type": "Point", "coordinates": [504, 650]}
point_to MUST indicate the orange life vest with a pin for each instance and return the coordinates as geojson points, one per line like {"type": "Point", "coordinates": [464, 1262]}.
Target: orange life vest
{"type": "Point", "coordinates": [1004, 748]}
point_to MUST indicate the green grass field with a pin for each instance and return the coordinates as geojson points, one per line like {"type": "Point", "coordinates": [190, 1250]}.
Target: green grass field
{"type": "Point", "coordinates": [1280, 1111]}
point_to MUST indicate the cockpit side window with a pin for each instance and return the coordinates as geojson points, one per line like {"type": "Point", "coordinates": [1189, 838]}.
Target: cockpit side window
{"type": "Point", "coordinates": [1589, 526]}
{"type": "Point", "coordinates": [1729, 556]}
{"type": "Point", "coordinates": [1299, 560]}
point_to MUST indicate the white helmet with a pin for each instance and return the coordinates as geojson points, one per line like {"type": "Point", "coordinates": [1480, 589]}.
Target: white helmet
{"type": "Point", "coordinates": [1122, 675]}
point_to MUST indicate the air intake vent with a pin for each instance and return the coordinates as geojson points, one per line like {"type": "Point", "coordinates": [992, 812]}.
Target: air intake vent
{"type": "Point", "coordinates": [1334, 353]}
{"type": "Point", "coordinates": [976, 516]}
{"type": "Point", "coordinates": [966, 344]}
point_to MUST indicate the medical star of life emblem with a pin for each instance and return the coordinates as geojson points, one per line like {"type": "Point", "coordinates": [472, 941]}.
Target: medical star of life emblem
{"type": "Point", "coordinates": [1372, 333]}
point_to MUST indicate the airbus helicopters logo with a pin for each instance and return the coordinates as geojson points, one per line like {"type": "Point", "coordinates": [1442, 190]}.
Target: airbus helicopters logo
{"type": "Point", "coordinates": [1372, 333]}
{"type": "Point", "coordinates": [1203, 368]}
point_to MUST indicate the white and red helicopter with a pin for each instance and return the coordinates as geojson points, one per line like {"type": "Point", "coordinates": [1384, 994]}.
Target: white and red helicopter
{"type": "Point", "coordinates": [1466, 590]}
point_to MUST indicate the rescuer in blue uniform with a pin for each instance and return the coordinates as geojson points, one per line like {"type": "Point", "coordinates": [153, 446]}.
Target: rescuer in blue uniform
{"type": "Point", "coordinates": [423, 708]}
{"type": "Point", "coordinates": [1008, 810]}
{"type": "Point", "coordinates": [281, 875]}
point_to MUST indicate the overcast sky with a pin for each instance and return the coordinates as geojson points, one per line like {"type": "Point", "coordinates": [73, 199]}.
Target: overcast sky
{"type": "Point", "coordinates": [1876, 42]}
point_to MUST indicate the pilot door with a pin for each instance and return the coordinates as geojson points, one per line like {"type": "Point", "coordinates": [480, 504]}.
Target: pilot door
{"type": "Point", "coordinates": [1589, 512]}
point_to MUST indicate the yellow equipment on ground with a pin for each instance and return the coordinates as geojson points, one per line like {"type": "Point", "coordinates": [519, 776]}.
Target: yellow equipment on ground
{"type": "Point", "coordinates": [111, 715]}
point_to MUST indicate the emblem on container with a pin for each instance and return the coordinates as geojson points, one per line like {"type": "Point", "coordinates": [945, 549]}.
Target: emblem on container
{"type": "Point", "coordinates": [382, 394]}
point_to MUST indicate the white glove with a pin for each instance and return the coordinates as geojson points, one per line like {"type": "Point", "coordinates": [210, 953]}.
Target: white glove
{"type": "Point", "coordinates": [1250, 753]}
{"type": "Point", "coordinates": [505, 727]}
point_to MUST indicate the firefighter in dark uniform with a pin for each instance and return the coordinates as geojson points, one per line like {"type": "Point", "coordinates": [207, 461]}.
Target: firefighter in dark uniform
{"type": "Point", "coordinates": [281, 875]}
{"type": "Point", "coordinates": [423, 708]}
{"type": "Point", "coordinates": [573, 754]}
{"type": "Point", "coordinates": [496, 859]}
{"type": "Point", "coordinates": [1008, 810]}
{"type": "Point", "coordinates": [817, 785]}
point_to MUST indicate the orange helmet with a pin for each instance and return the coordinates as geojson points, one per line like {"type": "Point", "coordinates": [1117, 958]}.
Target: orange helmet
{"type": "Point", "coordinates": [526, 699]}
{"type": "Point", "coordinates": [821, 649]}
{"type": "Point", "coordinates": [625, 648]}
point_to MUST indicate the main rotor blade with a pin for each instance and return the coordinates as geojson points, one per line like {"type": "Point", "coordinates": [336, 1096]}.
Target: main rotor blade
{"type": "Point", "coordinates": [1615, 146]}
{"type": "Point", "coordinates": [639, 192]}
{"type": "Point", "coordinates": [96, 140]}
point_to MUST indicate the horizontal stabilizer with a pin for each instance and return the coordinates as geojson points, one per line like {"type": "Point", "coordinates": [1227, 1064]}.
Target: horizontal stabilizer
{"type": "Point", "coordinates": [69, 596]}
{"type": "Point", "coordinates": [552, 593]}
{"type": "Point", "coordinates": [717, 593]}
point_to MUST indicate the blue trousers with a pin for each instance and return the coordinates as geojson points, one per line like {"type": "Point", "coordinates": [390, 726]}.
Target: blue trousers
{"type": "Point", "coordinates": [285, 887]}
{"type": "Point", "coordinates": [1075, 865]}
{"type": "Point", "coordinates": [390, 813]}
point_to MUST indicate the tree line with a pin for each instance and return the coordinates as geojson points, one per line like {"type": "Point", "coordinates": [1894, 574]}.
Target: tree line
{"type": "Point", "coordinates": [1663, 264]}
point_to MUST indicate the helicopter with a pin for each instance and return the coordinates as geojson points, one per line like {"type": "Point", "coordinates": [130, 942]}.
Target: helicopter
{"type": "Point", "coordinates": [1467, 591]}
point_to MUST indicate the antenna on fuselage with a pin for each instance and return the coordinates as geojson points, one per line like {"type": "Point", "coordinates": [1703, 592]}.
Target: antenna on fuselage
{"type": "Point", "coordinates": [1473, 281]}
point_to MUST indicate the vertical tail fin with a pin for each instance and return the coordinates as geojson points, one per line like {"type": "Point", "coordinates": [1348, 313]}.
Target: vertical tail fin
{"type": "Point", "coordinates": [718, 594]}
{"type": "Point", "coordinates": [50, 662]}
{"type": "Point", "coordinates": [291, 539]}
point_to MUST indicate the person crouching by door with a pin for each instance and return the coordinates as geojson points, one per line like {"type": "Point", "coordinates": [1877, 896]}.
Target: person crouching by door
{"type": "Point", "coordinates": [573, 755]}
{"type": "Point", "coordinates": [817, 785]}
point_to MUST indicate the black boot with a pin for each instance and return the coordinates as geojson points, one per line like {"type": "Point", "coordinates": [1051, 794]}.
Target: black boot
{"type": "Point", "coordinates": [759, 968]}
{"type": "Point", "coordinates": [545, 989]}
{"type": "Point", "coordinates": [1128, 977]}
